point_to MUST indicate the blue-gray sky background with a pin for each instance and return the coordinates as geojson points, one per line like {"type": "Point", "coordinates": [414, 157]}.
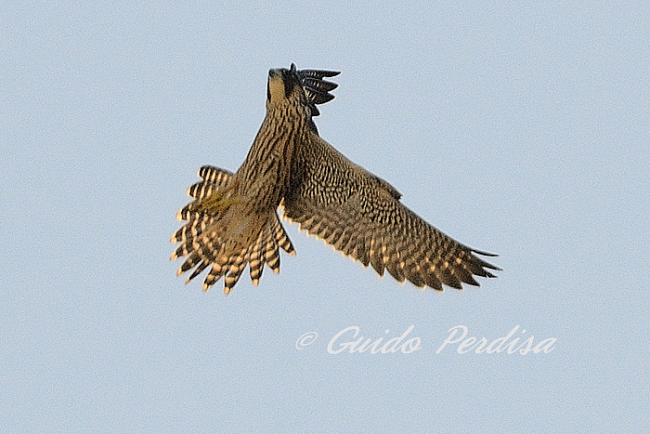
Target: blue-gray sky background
{"type": "Point", "coordinates": [516, 127]}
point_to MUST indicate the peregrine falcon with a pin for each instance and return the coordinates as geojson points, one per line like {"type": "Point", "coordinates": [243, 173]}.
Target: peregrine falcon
{"type": "Point", "coordinates": [233, 219]}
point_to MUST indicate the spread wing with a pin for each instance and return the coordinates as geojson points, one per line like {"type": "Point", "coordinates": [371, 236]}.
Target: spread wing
{"type": "Point", "coordinates": [360, 215]}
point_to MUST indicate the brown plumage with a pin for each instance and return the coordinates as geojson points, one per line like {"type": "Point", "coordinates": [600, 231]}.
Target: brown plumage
{"type": "Point", "coordinates": [233, 219]}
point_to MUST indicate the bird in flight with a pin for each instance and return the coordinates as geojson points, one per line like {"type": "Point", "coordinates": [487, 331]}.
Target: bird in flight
{"type": "Point", "coordinates": [232, 221]}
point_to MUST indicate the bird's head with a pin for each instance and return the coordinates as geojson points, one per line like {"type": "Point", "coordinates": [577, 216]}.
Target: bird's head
{"type": "Point", "coordinates": [284, 86]}
{"type": "Point", "coordinates": [304, 88]}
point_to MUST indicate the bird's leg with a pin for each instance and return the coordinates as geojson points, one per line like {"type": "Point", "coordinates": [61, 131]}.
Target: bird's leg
{"type": "Point", "coordinates": [215, 203]}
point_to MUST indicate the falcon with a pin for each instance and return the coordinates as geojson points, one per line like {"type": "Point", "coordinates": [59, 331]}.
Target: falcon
{"type": "Point", "coordinates": [233, 222]}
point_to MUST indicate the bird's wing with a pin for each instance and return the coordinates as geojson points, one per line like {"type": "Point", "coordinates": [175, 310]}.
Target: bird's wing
{"type": "Point", "coordinates": [360, 215]}
{"type": "Point", "coordinates": [316, 89]}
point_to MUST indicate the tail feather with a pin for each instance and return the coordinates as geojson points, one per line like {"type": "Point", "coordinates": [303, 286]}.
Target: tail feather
{"type": "Point", "coordinates": [271, 253]}
{"type": "Point", "coordinates": [193, 259]}
{"type": "Point", "coordinates": [201, 189]}
{"type": "Point", "coordinates": [281, 236]}
{"type": "Point", "coordinates": [256, 263]}
{"type": "Point", "coordinates": [215, 175]}
{"type": "Point", "coordinates": [208, 240]}
{"type": "Point", "coordinates": [235, 270]}
{"type": "Point", "coordinates": [192, 229]}
{"type": "Point", "coordinates": [198, 270]}
{"type": "Point", "coordinates": [216, 272]}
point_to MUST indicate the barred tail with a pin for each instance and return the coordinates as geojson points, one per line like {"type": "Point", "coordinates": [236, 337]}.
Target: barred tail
{"type": "Point", "coordinates": [205, 239]}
